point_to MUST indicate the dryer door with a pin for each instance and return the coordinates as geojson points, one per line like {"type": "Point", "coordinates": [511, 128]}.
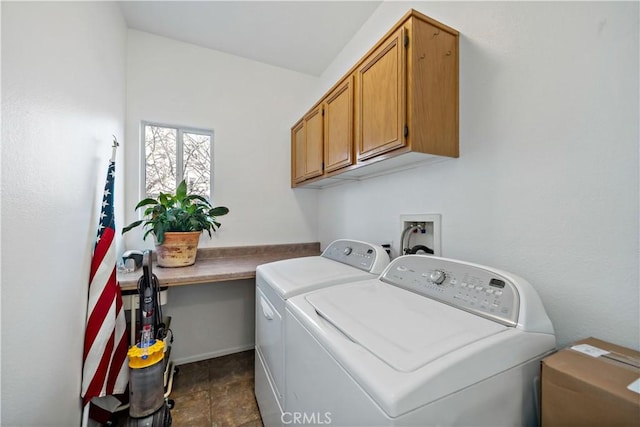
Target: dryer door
{"type": "Point", "coordinates": [269, 340]}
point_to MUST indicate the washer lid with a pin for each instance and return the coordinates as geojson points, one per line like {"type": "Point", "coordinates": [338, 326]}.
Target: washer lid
{"type": "Point", "coordinates": [403, 329]}
{"type": "Point", "coordinates": [294, 276]}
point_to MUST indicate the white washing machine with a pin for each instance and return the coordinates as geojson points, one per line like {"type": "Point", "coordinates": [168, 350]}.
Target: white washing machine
{"type": "Point", "coordinates": [341, 262]}
{"type": "Point", "coordinates": [432, 341]}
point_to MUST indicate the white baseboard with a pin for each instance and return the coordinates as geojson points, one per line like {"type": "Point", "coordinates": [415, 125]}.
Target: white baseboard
{"type": "Point", "coordinates": [217, 353]}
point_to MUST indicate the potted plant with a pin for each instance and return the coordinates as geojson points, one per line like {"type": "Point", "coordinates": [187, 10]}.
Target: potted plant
{"type": "Point", "coordinates": [176, 221]}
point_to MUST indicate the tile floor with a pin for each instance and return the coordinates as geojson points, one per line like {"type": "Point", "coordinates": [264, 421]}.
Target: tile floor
{"type": "Point", "coordinates": [216, 393]}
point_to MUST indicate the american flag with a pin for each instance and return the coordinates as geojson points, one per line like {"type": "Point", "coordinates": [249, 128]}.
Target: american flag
{"type": "Point", "coordinates": [105, 370]}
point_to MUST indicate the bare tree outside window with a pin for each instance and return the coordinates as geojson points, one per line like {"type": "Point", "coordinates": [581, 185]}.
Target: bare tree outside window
{"type": "Point", "coordinates": [160, 150]}
{"type": "Point", "coordinates": [173, 154]}
{"type": "Point", "coordinates": [197, 162]}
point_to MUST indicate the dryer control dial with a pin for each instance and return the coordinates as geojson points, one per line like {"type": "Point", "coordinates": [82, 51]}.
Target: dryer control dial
{"type": "Point", "coordinates": [347, 250]}
{"type": "Point", "coordinates": [437, 277]}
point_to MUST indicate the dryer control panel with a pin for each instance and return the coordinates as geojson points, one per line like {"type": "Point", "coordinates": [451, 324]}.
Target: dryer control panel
{"type": "Point", "coordinates": [463, 285]}
{"type": "Point", "coordinates": [362, 255]}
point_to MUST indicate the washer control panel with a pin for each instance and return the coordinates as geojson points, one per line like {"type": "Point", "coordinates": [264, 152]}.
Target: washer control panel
{"type": "Point", "coordinates": [466, 286]}
{"type": "Point", "coordinates": [362, 255]}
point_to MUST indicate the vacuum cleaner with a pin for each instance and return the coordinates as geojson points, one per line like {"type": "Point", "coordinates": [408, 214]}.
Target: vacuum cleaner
{"type": "Point", "coordinates": [147, 404]}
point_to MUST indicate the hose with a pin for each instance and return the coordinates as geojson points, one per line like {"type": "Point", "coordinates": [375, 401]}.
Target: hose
{"type": "Point", "coordinates": [423, 248]}
{"type": "Point", "coordinates": [411, 227]}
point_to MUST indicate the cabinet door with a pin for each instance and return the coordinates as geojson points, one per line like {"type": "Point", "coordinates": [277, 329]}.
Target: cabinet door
{"type": "Point", "coordinates": [298, 152]}
{"type": "Point", "coordinates": [314, 140]}
{"type": "Point", "coordinates": [338, 127]}
{"type": "Point", "coordinates": [381, 103]}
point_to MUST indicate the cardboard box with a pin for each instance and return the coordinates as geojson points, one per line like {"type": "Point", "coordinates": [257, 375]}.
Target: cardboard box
{"type": "Point", "coordinates": [584, 387]}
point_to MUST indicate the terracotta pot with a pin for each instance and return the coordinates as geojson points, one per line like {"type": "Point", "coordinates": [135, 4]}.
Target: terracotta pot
{"type": "Point", "coordinates": [179, 249]}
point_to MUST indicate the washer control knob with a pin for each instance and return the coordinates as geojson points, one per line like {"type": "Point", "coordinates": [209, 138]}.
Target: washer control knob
{"type": "Point", "coordinates": [437, 277]}
{"type": "Point", "coordinates": [347, 251]}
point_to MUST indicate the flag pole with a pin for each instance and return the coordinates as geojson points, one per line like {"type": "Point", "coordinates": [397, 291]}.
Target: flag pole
{"type": "Point", "coordinates": [85, 415]}
{"type": "Point", "coordinates": [115, 145]}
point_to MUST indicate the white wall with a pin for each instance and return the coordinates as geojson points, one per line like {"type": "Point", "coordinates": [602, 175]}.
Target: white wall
{"type": "Point", "coordinates": [211, 320]}
{"type": "Point", "coordinates": [63, 96]}
{"type": "Point", "coordinates": [251, 107]}
{"type": "Point", "coordinates": [546, 185]}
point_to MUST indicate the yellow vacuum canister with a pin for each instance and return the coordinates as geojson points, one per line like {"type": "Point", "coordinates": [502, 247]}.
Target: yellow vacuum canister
{"type": "Point", "coordinates": [146, 378]}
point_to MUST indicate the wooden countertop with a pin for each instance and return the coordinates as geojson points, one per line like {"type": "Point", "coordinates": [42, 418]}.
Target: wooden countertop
{"type": "Point", "coordinates": [222, 264]}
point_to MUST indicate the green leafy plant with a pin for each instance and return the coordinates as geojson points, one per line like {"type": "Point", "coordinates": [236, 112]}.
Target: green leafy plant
{"type": "Point", "coordinates": [177, 212]}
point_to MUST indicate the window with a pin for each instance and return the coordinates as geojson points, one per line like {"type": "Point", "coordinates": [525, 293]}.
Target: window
{"type": "Point", "coordinates": [172, 153]}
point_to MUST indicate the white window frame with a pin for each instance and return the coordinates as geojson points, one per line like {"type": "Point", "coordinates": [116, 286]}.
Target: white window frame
{"type": "Point", "coordinates": [179, 154]}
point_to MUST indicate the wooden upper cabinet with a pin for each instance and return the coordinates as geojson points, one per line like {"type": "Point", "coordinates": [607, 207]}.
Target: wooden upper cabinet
{"type": "Point", "coordinates": [298, 152]}
{"type": "Point", "coordinates": [432, 88]}
{"type": "Point", "coordinates": [400, 102]}
{"type": "Point", "coordinates": [307, 147]}
{"type": "Point", "coordinates": [314, 143]}
{"type": "Point", "coordinates": [381, 102]}
{"type": "Point", "coordinates": [338, 127]}
{"type": "Point", "coordinates": [322, 141]}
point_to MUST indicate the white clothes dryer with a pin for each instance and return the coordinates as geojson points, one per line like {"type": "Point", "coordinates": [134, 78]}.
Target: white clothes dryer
{"type": "Point", "coordinates": [342, 261]}
{"type": "Point", "coordinates": [432, 341]}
